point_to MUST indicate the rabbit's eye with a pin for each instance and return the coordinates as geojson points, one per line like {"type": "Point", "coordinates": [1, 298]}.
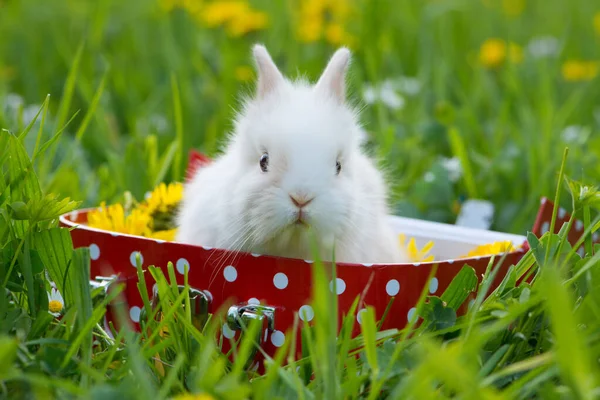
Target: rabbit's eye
{"type": "Point", "coordinates": [338, 167]}
{"type": "Point", "coordinates": [264, 162]}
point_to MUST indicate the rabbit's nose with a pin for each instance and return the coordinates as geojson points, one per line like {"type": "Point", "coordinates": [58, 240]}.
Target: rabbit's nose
{"type": "Point", "coordinates": [300, 199]}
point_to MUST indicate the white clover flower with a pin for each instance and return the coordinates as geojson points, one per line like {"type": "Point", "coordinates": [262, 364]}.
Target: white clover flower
{"type": "Point", "coordinates": [56, 302]}
{"type": "Point", "coordinates": [453, 167]}
{"type": "Point", "coordinates": [429, 177]}
{"type": "Point", "coordinates": [384, 92]}
{"type": "Point", "coordinates": [370, 94]}
{"type": "Point", "coordinates": [391, 99]}
{"type": "Point", "coordinates": [30, 112]}
{"type": "Point", "coordinates": [544, 46]}
{"type": "Point", "coordinates": [159, 123]}
{"type": "Point", "coordinates": [12, 103]}
{"type": "Point", "coordinates": [575, 134]}
{"type": "Point", "coordinates": [408, 85]}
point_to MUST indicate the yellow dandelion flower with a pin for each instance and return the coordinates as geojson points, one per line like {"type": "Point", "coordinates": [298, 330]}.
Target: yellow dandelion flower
{"type": "Point", "coordinates": [167, 235]}
{"type": "Point", "coordinates": [249, 22]}
{"type": "Point", "coordinates": [314, 15]}
{"type": "Point", "coordinates": [492, 53]}
{"type": "Point", "coordinates": [244, 73]}
{"type": "Point", "coordinates": [163, 198]}
{"type": "Point", "coordinates": [577, 70]}
{"type": "Point", "coordinates": [597, 22]}
{"type": "Point", "coordinates": [413, 253]}
{"type": "Point", "coordinates": [310, 31]}
{"type": "Point", "coordinates": [334, 33]}
{"type": "Point", "coordinates": [491, 249]}
{"type": "Point", "coordinates": [220, 12]}
{"type": "Point", "coordinates": [112, 218]}
{"type": "Point", "coordinates": [237, 16]}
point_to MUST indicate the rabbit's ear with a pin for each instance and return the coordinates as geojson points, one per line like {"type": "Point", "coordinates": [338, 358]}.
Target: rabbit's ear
{"type": "Point", "coordinates": [333, 80]}
{"type": "Point", "coordinates": [269, 76]}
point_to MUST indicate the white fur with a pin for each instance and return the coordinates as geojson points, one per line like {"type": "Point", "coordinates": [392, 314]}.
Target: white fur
{"type": "Point", "coordinates": [306, 129]}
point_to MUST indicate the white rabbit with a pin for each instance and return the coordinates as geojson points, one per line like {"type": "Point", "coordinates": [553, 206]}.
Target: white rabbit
{"type": "Point", "coordinates": [293, 165]}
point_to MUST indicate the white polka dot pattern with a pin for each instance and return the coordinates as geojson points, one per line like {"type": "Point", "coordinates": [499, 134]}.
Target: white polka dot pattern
{"type": "Point", "coordinates": [254, 301]}
{"type": "Point", "coordinates": [278, 338]}
{"type": "Point", "coordinates": [228, 332]}
{"type": "Point", "coordinates": [280, 280]}
{"type": "Point", "coordinates": [306, 313]}
{"type": "Point", "coordinates": [230, 273]}
{"type": "Point", "coordinates": [94, 251]}
{"type": "Point", "coordinates": [340, 286]}
{"type": "Point", "coordinates": [433, 285]}
{"type": "Point", "coordinates": [412, 314]}
{"type": "Point", "coordinates": [182, 266]}
{"type": "Point", "coordinates": [133, 258]}
{"type": "Point", "coordinates": [545, 227]}
{"type": "Point", "coordinates": [578, 225]}
{"type": "Point", "coordinates": [134, 313]}
{"type": "Point", "coordinates": [360, 314]}
{"type": "Point", "coordinates": [392, 287]}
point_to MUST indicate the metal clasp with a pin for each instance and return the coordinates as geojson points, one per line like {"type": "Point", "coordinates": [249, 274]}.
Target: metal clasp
{"type": "Point", "coordinates": [103, 282]}
{"type": "Point", "coordinates": [241, 315]}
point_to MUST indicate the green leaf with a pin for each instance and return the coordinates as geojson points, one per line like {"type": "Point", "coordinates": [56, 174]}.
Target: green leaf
{"type": "Point", "coordinates": [437, 314]}
{"type": "Point", "coordinates": [48, 207]}
{"type": "Point", "coordinates": [463, 284]}
{"type": "Point", "coordinates": [8, 354]}
{"type": "Point", "coordinates": [55, 249]}
{"type": "Point", "coordinates": [368, 329]}
{"type": "Point", "coordinates": [26, 268]}
{"type": "Point", "coordinates": [548, 246]}
{"type": "Point", "coordinates": [23, 180]}
{"type": "Point", "coordinates": [23, 134]}
{"type": "Point", "coordinates": [573, 357]}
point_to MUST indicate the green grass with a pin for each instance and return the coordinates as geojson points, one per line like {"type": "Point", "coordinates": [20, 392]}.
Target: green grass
{"type": "Point", "coordinates": [124, 90]}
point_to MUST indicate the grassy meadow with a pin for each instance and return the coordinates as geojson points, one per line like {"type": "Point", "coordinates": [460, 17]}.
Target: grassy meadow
{"type": "Point", "coordinates": [478, 99]}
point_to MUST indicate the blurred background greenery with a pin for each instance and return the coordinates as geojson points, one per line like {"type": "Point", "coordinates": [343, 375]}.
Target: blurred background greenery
{"type": "Point", "coordinates": [463, 99]}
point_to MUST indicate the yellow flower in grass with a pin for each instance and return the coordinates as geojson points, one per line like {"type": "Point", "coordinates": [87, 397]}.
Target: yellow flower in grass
{"type": "Point", "coordinates": [494, 52]}
{"type": "Point", "coordinates": [413, 252]}
{"type": "Point", "coordinates": [491, 249]}
{"type": "Point", "coordinates": [220, 12]}
{"type": "Point", "coordinates": [324, 19]}
{"type": "Point", "coordinates": [163, 198]}
{"type": "Point", "coordinates": [577, 70]}
{"type": "Point", "coordinates": [237, 16]}
{"type": "Point", "coordinates": [112, 218]}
